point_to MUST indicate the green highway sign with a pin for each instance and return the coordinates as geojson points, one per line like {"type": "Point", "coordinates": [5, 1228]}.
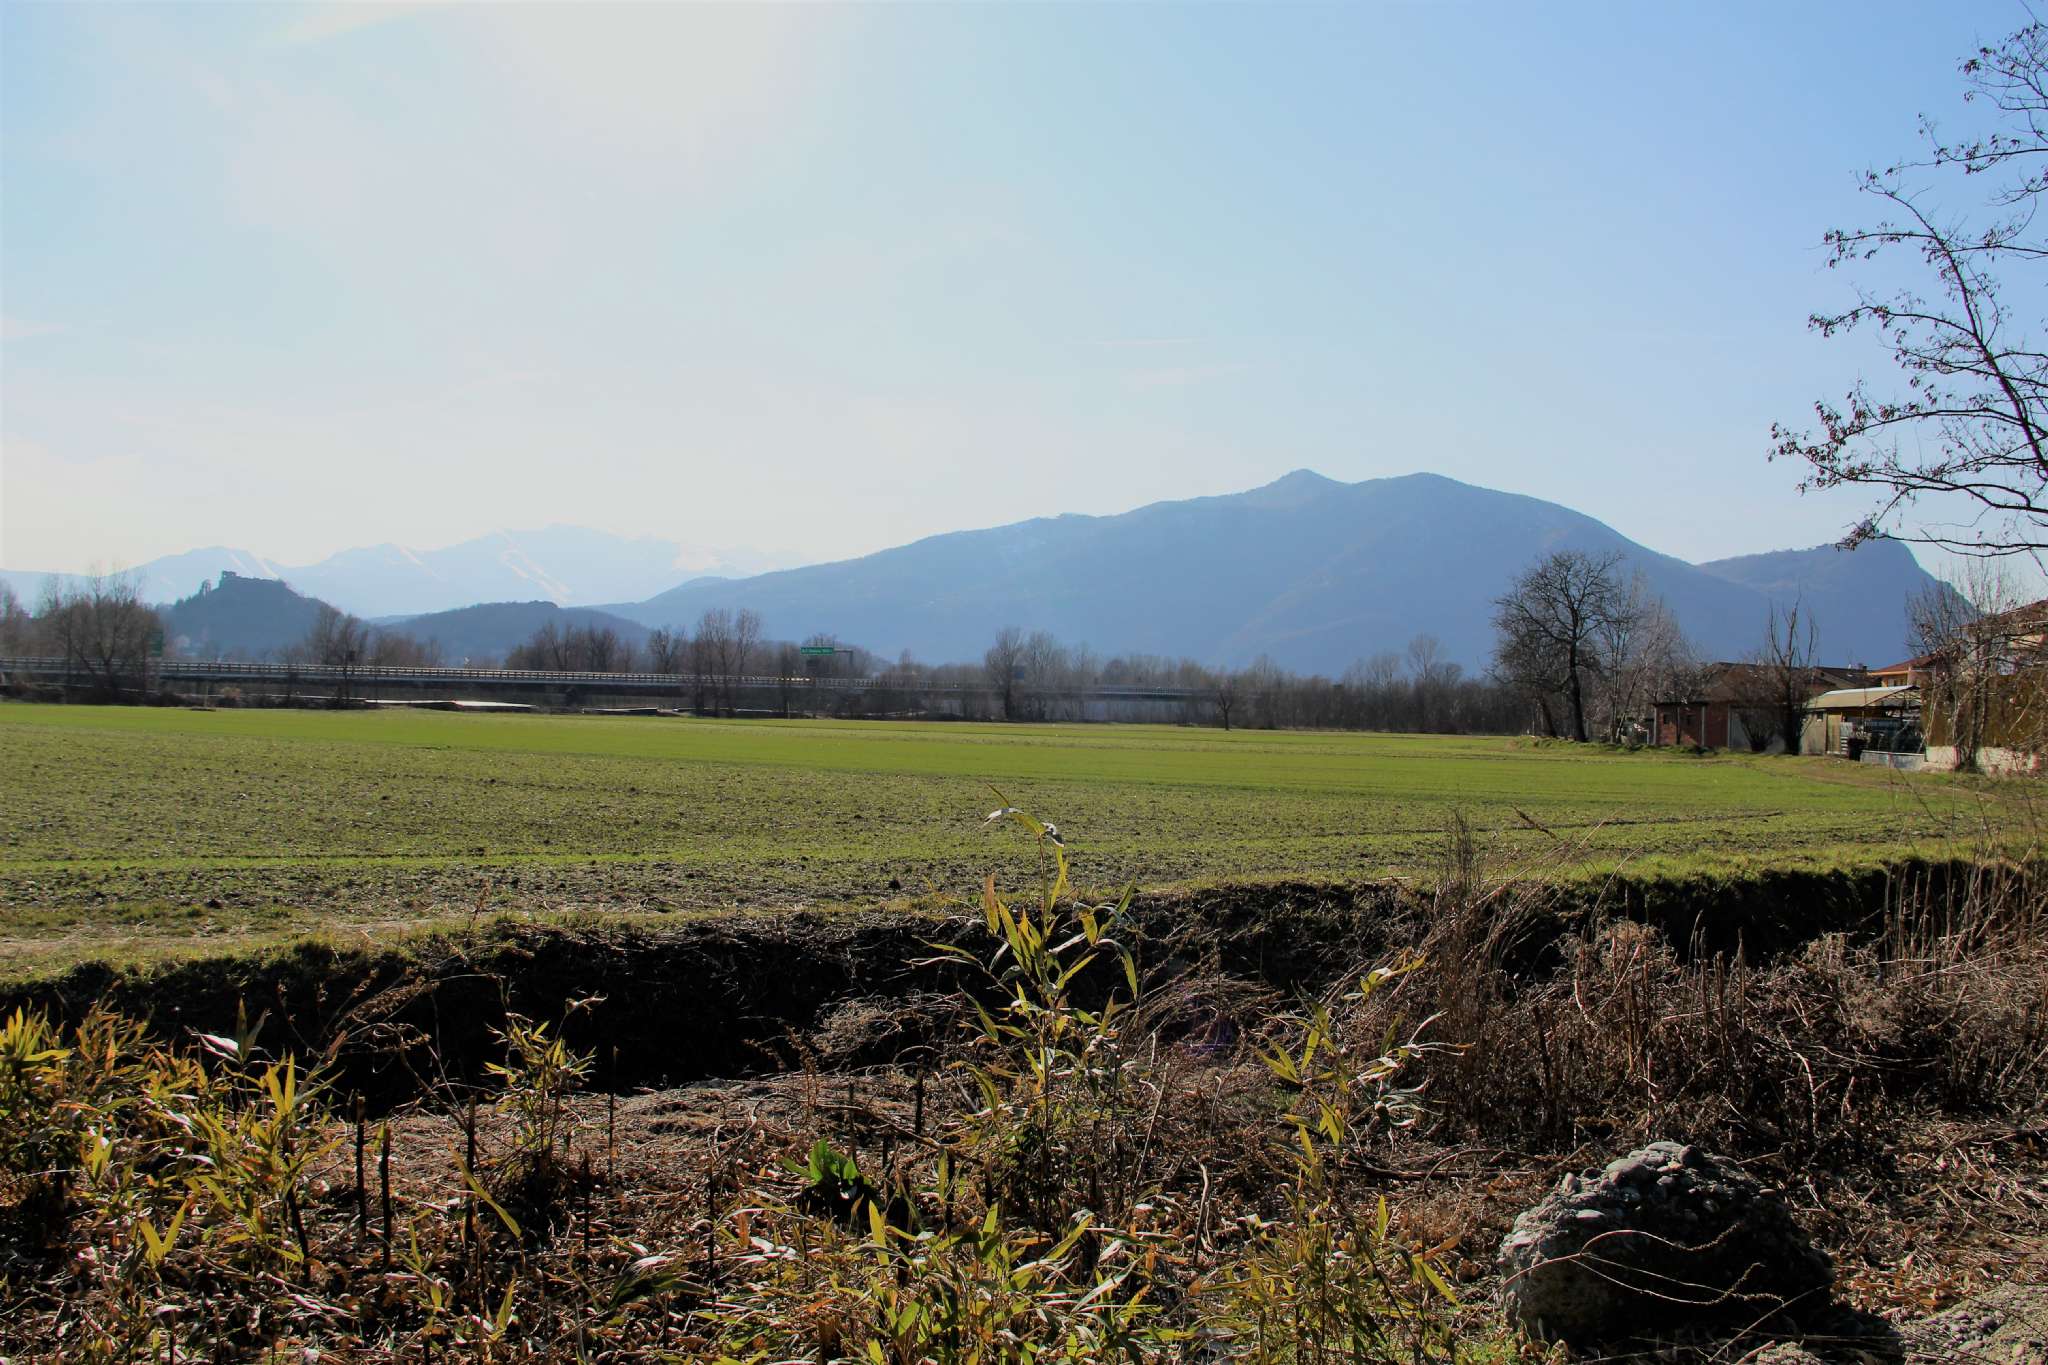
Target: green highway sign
{"type": "Point", "coordinates": [819, 649]}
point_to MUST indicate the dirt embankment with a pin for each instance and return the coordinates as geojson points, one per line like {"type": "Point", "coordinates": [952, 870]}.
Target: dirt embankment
{"type": "Point", "coordinates": [744, 994]}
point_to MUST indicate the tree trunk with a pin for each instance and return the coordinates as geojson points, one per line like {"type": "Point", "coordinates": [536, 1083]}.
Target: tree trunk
{"type": "Point", "coordinates": [1575, 696]}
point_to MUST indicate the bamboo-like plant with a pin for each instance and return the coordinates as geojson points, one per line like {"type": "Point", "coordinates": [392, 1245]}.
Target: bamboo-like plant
{"type": "Point", "coordinates": [1332, 1280]}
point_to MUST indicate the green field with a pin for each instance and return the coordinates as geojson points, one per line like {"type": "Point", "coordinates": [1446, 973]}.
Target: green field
{"type": "Point", "coordinates": [132, 831]}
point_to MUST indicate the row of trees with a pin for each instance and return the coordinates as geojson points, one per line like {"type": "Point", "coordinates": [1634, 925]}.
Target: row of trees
{"type": "Point", "coordinates": [104, 628]}
{"type": "Point", "coordinates": [1415, 691]}
{"type": "Point", "coordinates": [586, 649]}
{"type": "Point", "coordinates": [99, 626]}
{"type": "Point", "coordinates": [726, 647]}
{"type": "Point", "coordinates": [1581, 652]}
{"type": "Point", "coordinates": [1033, 676]}
{"type": "Point", "coordinates": [110, 638]}
{"type": "Point", "coordinates": [349, 643]}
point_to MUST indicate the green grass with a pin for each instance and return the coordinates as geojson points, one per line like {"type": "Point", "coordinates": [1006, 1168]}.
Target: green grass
{"type": "Point", "coordinates": [127, 831]}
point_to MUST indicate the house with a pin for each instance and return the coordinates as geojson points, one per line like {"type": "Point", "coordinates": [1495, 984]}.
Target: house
{"type": "Point", "coordinates": [1864, 723]}
{"type": "Point", "coordinates": [1739, 706]}
{"type": "Point", "coordinates": [1907, 673]}
{"type": "Point", "coordinates": [1986, 693]}
{"type": "Point", "coordinates": [2022, 630]}
{"type": "Point", "coordinates": [1988, 702]}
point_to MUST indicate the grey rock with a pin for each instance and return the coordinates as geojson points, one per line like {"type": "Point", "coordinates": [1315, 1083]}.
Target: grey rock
{"type": "Point", "coordinates": [1666, 1239]}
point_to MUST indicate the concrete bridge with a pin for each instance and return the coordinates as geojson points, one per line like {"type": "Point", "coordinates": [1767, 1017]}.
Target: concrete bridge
{"type": "Point", "coordinates": [382, 681]}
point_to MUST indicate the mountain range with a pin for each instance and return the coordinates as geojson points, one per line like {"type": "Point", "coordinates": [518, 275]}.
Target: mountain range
{"type": "Point", "coordinates": [1307, 570]}
{"type": "Point", "coordinates": [566, 565]}
{"type": "Point", "coordinates": [1312, 572]}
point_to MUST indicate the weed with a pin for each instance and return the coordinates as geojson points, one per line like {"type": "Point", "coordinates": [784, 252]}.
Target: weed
{"type": "Point", "coordinates": [539, 1074]}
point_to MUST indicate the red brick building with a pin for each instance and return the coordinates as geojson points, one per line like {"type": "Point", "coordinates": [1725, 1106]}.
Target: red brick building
{"type": "Point", "coordinates": [1710, 715]}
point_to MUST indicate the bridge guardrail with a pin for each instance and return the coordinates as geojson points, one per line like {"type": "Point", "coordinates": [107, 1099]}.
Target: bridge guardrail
{"type": "Point", "coordinates": [233, 670]}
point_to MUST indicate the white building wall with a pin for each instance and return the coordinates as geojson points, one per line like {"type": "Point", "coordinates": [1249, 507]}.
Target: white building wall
{"type": "Point", "coordinates": [1942, 758]}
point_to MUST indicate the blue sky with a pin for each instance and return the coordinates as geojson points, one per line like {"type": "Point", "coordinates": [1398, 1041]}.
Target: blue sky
{"type": "Point", "coordinates": [824, 279]}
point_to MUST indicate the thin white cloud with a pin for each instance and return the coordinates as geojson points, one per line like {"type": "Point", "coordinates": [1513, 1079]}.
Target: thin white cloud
{"type": "Point", "coordinates": [1183, 376]}
{"type": "Point", "coordinates": [318, 23]}
{"type": "Point", "coordinates": [574, 123]}
{"type": "Point", "coordinates": [20, 329]}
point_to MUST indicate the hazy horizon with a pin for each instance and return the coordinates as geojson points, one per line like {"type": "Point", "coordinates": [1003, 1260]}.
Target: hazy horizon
{"type": "Point", "coordinates": [821, 281]}
{"type": "Point", "coordinates": [758, 561]}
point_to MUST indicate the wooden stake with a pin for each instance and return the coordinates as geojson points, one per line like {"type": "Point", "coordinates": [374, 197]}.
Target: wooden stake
{"type": "Point", "coordinates": [710, 1226]}
{"type": "Point", "coordinates": [469, 1168]}
{"type": "Point", "coordinates": [362, 1184]}
{"type": "Point", "coordinates": [384, 1176]}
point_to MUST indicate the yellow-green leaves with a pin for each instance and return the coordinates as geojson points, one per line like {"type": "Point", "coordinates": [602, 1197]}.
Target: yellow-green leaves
{"type": "Point", "coordinates": [157, 1245]}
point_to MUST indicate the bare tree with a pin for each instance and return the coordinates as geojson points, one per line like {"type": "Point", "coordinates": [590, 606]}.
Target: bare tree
{"type": "Point", "coordinates": [1432, 679]}
{"type": "Point", "coordinates": [590, 648]}
{"type": "Point", "coordinates": [1977, 640]}
{"type": "Point", "coordinates": [294, 656]}
{"type": "Point", "coordinates": [1962, 672]}
{"type": "Point", "coordinates": [668, 650]}
{"type": "Point", "coordinates": [1045, 667]}
{"type": "Point", "coordinates": [1531, 668]}
{"type": "Point", "coordinates": [602, 651]}
{"type": "Point", "coordinates": [1004, 665]}
{"type": "Point", "coordinates": [1550, 619]}
{"type": "Point", "coordinates": [396, 649]}
{"type": "Point", "coordinates": [704, 657]}
{"type": "Point", "coordinates": [715, 649]}
{"type": "Point", "coordinates": [1081, 669]}
{"type": "Point", "coordinates": [789, 664]}
{"type": "Point", "coordinates": [725, 641]}
{"type": "Point", "coordinates": [746, 637]}
{"type": "Point", "coordinates": [545, 649]}
{"type": "Point", "coordinates": [337, 637]}
{"type": "Point", "coordinates": [1967, 430]}
{"type": "Point", "coordinates": [102, 628]}
{"type": "Point", "coordinates": [340, 641]}
{"type": "Point", "coordinates": [1772, 690]}
{"type": "Point", "coordinates": [1264, 688]}
{"type": "Point", "coordinates": [1641, 653]}
{"type": "Point", "coordinates": [1373, 685]}
{"type": "Point", "coordinates": [17, 626]}
{"type": "Point", "coordinates": [1228, 689]}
